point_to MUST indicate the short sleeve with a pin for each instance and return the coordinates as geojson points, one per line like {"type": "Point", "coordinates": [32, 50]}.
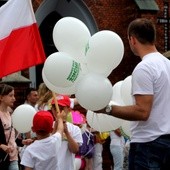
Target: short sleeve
{"type": "Point", "coordinates": [142, 82]}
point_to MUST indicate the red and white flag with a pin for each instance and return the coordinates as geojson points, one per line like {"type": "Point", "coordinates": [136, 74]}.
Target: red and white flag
{"type": "Point", "coordinates": [20, 41]}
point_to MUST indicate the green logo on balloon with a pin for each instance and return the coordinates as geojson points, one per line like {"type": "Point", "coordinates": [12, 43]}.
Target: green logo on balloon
{"type": "Point", "coordinates": [74, 72]}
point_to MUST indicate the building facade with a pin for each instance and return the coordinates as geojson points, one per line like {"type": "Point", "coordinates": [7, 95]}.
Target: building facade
{"type": "Point", "coordinates": [98, 15]}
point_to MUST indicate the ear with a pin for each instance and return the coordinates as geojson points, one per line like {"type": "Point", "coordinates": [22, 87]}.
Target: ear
{"type": "Point", "coordinates": [134, 40]}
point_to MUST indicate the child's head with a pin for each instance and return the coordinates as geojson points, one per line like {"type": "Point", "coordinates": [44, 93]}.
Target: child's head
{"type": "Point", "coordinates": [5, 89]}
{"type": "Point", "coordinates": [63, 103]}
{"type": "Point", "coordinates": [7, 95]}
{"type": "Point", "coordinates": [43, 123]}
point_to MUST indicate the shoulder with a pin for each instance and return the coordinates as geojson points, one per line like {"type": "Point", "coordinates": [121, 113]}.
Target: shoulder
{"type": "Point", "coordinates": [57, 136]}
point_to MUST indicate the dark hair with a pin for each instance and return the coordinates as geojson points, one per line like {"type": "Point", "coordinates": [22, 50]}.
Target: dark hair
{"type": "Point", "coordinates": [143, 29]}
{"type": "Point", "coordinates": [29, 90]}
{"type": "Point", "coordinates": [5, 89]}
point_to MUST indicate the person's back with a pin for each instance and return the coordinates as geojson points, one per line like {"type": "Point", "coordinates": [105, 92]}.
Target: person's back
{"type": "Point", "coordinates": [100, 139]}
{"type": "Point", "coordinates": [158, 68]}
{"type": "Point", "coordinates": [42, 154]}
{"type": "Point", "coordinates": [117, 148]}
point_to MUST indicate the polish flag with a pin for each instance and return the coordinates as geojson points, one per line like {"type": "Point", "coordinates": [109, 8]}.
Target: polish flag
{"type": "Point", "coordinates": [20, 41]}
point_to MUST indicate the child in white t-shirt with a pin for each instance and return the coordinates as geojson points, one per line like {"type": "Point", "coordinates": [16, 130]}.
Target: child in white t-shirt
{"type": "Point", "coordinates": [72, 137]}
{"type": "Point", "coordinates": [42, 154]}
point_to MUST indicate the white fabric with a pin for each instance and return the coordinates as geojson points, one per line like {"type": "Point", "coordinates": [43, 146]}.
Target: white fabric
{"type": "Point", "coordinates": [152, 77]}
{"type": "Point", "coordinates": [117, 144]}
{"type": "Point", "coordinates": [71, 103]}
{"type": "Point", "coordinates": [66, 158]}
{"type": "Point", "coordinates": [118, 156]}
{"type": "Point", "coordinates": [116, 140]}
{"type": "Point", "coordinates": [97, 157]}
{"type": "Point", "coordinates": [41, 155]}
{"type": "Point", "coordinates": [16, 7]}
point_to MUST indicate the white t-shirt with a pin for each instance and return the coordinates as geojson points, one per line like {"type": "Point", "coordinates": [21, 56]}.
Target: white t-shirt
{"type": "Point", "coordinates": [42, 154]}
{"type": "Point", "coordinates": [152, 77]}
{"type": "Point", "coordinates": [66, 158]}
{"type": "Point", "coordinates": [116, 140]}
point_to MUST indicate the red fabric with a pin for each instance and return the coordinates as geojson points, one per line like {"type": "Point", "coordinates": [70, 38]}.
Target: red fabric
{"type": "Point", "coordinates": [62, 100]}
{"type": "Point", "coordinates": [20, 50]}
{"type": "Point", "coordinates": [83, 162]}
{"type": "Point", "coordinates": [43, 121]}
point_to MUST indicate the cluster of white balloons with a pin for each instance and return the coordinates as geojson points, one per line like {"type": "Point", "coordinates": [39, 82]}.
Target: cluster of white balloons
{"type": "Point", "coordinates": [122, 92]}
{"type": "Point", "coordinates": [121, 96]}
{"type": "Point", "coordinates": [83, 63]}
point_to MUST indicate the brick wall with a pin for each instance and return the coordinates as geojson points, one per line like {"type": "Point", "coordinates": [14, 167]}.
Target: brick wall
{"type": "Point", "coordinates": [115, 15]}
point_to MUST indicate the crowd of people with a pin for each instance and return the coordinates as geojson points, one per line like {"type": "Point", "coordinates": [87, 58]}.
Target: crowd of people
{"type": "Point", "coordinates": [53, 141]}
{"type": "Point", "coordinates": [74, 139]}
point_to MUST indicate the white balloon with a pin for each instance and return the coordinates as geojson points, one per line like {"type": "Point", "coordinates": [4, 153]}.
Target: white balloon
{"type": "Point", "coordinates": [126, 91]}
{"type": "Point", "coordinates": [71, 35]}
{"type": "Point", "coordinates": [116, 97]}
{"type": "Point", "coordinates": [93, 91]}
{"type": "Point", "coordinates": [126, 128]}
{"type": "Point", "coordinates": [102, 122]}
{"type": "Point", "coordinates": [58, 90]}
{"type": "Point", "coordinates": [61, 70]}
{"type": "Point", "coordinates": [105, 52]}
{"type": "Point", "coordinates": [22, 118]}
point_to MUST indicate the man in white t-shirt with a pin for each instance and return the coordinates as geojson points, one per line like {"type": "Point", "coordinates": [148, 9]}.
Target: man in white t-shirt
{"type": "Point", "coordinates": [72, 137]}
{"type": "Point", "coordinates": [150, 129]}
{"type": "Point", "coordinates": [42, 153]}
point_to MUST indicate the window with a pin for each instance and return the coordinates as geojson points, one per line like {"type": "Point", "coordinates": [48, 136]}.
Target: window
{"type": "Point", "coordinates": [149, 5]}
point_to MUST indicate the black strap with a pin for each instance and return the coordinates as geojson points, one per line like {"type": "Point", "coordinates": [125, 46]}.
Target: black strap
{"type": "Point", "coordinates": [3, 136]}
{"type": "Point", "coordinates": [10, 132]}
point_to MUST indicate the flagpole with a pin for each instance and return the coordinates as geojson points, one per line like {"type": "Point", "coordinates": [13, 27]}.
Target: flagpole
{"type": "Point", "coordinates": [56, 103]}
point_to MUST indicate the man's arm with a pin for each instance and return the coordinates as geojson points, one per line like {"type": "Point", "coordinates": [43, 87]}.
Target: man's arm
{"type": "Point", "coordinates": [140, 111]}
